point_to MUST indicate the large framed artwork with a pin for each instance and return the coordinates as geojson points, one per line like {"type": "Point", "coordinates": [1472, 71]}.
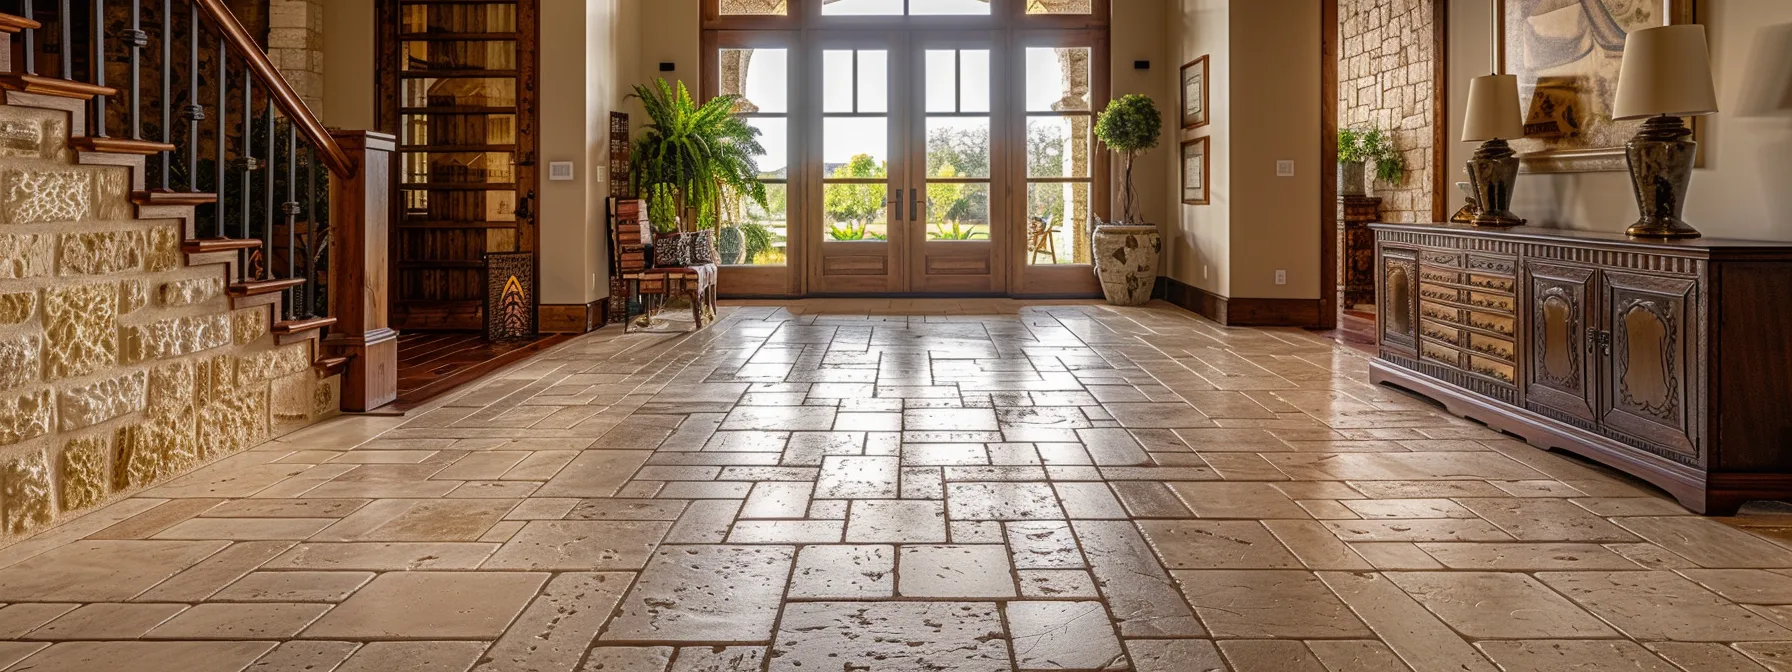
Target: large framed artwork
{"type": "Point", "coordinates": [1194, 93]}
{"type": "Point", "coordinates": [1566, 55]}
{"type": "Point", "coordinates": [1194, 172]}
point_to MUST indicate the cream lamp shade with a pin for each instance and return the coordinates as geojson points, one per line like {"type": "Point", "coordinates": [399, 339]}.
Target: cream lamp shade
{"type": "Point", "coordinates": [1493, 111]}
{"type": "Point", "coordinates": [1666, 71]}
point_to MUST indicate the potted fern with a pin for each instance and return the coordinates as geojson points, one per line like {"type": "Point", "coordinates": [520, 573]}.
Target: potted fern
{"type": "Point", "coordinates": [688, 154]}
{"type": "Point", "coordinates": [1359, 145]}
{"type": "Point", "coordinates": [1126, 252]}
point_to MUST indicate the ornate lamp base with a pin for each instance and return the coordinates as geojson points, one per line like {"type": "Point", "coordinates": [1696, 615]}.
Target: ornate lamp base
{"type": "Point", "coordinates": [1494, 174]}
{"type": "Point", "coordinates": [1661, 158]}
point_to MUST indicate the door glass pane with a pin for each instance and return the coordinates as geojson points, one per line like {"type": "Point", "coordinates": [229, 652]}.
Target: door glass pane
{"type": "Point", "coordinates": [420, 55]}
{"type": "Point", "coordinates": [958, 147]}
{"type": "Point", "coordinates": [460, 91]}
{"type": "Point", "coordinates": [918, 7]}
{"type": "Point", "coordinates": [957, 211]}
{"type": "Point", "coordinates": [774, 135]}
{"type": "Point", "coordinates": [862, 7]}
{"type": "Point", "coordinates": [942, 80]}
{"type": "Point", "coordinates": [764, 230]}
{"type": "Point", "coordinates": [973, 84]}
{"type": "Point", "coordinates": [1058, 223]}
{"type": "Point", "coordinates": [874, 81]}
{"type": "Point", "coordinates": [1059, 147]}
{"type": "Point", "coordinates": [754, 7]}
{"type": "Point", "coordinates": [845, 139]}
{"type": "Point", "coordinates": [761, 77]}
{"type": "Point", "coordinates": [836, 80]}
{"type": "Point", "coordinates": [1058, 79]}
{"type": "Point", "coordinates": [854, 212]}
{"type": "Point", "coordinates": [1060, 6]}
{"type": "Point", "coordinates": [459, 18]}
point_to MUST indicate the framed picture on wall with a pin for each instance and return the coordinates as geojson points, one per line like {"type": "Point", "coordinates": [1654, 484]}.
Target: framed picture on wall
{"type": "Point", "coordinates": [1566, 56]}
{"type": "Point", "coordinates": [1194, 172]}
{"type": "Point", "coordinates": [1194, 93]}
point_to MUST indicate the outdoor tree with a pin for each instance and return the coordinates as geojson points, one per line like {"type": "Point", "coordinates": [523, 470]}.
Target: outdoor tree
{"type": "Point", "coordinates": [856, 204]}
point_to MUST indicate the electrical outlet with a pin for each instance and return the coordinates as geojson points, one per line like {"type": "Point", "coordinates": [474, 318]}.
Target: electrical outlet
{"type": "Point", "coordinates": [1284, 169]}
{"type": "Point", "coordinates": [1281, 277]}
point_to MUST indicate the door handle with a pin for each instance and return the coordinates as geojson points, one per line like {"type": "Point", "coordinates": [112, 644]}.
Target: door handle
{"type": "Point", "coordinates": [914, 209]}
{"type": "Point", "coordinates": [898, 203]}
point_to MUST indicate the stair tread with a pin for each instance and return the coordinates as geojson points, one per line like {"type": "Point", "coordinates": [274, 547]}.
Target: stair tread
{"type": "Point", "coordinates": [119, 145]}
{"type": "Point", "coordinates": [158, 197]}
{"type": "Point", "coordinates": [307, 324]}
{"type": "Point", "coordinates": [203, 245]}
{"type": "Point", "coordinates": [254, 287]}
{"type": "Point", "coordinates": [52, 86]}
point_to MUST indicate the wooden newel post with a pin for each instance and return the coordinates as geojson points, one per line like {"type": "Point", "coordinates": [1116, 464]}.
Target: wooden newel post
{"type": "Point", "coordinates": [360, 213]}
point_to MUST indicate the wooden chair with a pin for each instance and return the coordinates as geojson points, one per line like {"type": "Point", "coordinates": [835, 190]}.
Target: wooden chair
{"type": "Point", "coordinates": [1041, 239]}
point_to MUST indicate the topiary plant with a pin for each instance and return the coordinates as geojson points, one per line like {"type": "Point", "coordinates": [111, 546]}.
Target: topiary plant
{"type": "Point", "coordinates": [1129, 126]}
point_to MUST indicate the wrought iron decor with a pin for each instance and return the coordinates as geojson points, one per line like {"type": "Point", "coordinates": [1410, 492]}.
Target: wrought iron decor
{"type": "Point", "coordinates": [620, 184]}
{"type": "Point", "coordinates": [509, 296]}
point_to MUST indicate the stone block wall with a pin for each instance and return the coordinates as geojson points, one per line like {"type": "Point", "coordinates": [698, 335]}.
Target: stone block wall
{"type": "Point", "coordinates": [1386, 77]}
{"type": "Point", "coordinates": [296, 46]}
{"type": "Point", "coordinates": [120, 365]}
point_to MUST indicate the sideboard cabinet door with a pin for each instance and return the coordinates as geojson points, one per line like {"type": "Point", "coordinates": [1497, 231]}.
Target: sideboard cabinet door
{"type": "Point", "coordinates": [1399, 298]}
{"type": "Point", "coordinates": [1649, 371]}
{"type": "Point", "coordinates": [1560, 344]}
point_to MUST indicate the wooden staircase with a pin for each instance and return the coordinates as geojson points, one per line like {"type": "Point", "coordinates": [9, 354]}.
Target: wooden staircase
{"type": "Point", "coordinates": [237, 230]}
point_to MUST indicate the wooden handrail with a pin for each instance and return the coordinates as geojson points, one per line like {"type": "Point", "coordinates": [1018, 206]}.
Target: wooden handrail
{"type": "Point", "coordinates": [244, 47]}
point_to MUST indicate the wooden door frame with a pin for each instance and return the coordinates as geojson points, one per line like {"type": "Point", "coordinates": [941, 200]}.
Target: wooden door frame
{"type": "Point", "coordinates": [790, 279]}
{"type": "Point", "coordinates": [1329, 32]}
{"type": "Point", "coordinates": [1062, 280]}
{"type": "Point", "coordinates": [995, 249]}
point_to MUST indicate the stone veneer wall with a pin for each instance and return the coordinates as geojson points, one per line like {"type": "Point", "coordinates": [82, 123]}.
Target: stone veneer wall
{"type": "Point", "coordinates": [1386, 77]}
{"type": "Point", "coordinates": [296, 46]}
{"type": "Point", "coordinates": [120, 365]}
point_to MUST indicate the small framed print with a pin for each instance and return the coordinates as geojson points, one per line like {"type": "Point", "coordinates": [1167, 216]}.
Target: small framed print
{"type": "Point", "coordinates": [1194, 93]}
{"type": "Point", "coordinates": [1194, 172]}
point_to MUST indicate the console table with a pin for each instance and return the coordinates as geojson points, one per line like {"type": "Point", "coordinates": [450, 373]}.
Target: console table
{"type": "Point", "coordinates": [1669, 360]}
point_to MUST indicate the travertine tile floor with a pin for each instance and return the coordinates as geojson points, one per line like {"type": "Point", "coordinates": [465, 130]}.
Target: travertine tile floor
{"type": "Point", "coordinates": [907, 485]}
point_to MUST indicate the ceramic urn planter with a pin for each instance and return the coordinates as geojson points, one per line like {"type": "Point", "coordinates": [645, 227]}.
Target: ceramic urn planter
{"type": "Point", "coordinates": [1126, 261]}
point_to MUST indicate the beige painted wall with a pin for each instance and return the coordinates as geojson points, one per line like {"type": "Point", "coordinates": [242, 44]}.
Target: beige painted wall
{"type": "Point", "coordinates": [1199, 243]}
{"type": "Point", "coordinates": [1742, 191]}
{"type": "Point", "coordinates": [1140, 34]}
{"type": "Point", "coordinates": [348, 64]}
{"type": "Point", "coordinates": [1264, 62]}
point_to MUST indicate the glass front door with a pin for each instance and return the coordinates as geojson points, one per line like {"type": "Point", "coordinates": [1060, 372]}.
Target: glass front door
{"type": "Point", "coordinates": [917, 146]}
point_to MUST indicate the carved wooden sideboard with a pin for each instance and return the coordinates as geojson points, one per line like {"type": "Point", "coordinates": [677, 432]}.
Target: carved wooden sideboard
{"type": "Point", "coordinates": [1671, 361]}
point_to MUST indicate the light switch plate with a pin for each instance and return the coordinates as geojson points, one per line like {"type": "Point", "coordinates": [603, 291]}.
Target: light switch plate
{"type": "Point", "coordinates": [1284, 169]}
{"type": "Point", "coordinates": [560, 170]}
{"type": "Point", "coordinates": [1281, 277]}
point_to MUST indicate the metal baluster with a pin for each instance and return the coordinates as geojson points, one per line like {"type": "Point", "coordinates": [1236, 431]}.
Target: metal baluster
{"type": "Point", "coordinates": [136, 40]}
{"type": "Point", "coordinates": [68, 40]}
{"type": "Point", "coordinates": [167, 90]}
{"type": "Point", "coordinates": [291, 206]}
{"type": "Point", "coordinates": [248, 152]}
{"type": "Point", "coordinates": [30, 40]}
{"type": "Point", "coordinates": [195, 112]}
{"type": "Point", "coordinates": [98, 66]}
{"type": "Point", "coordinates": [222, 207]}
{"type": "Point", "coordinates": [267, 230]}
{"type": "Point", "coordinates": [311, 230]}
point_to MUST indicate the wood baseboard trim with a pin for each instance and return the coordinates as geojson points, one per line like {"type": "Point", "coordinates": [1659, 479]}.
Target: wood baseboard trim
{"type": "Point", "coordinates": [577, 318]}
{"type": "Point", "coordinates": [1239, 311]}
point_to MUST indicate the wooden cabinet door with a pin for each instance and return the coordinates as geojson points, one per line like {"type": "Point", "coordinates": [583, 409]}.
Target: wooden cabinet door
{"type": "Point", "coordinates": [1560, 345]}
{"type": "Point", "coordinates": [1398, 299]}
{"type": "Point", "coordinates": [1648, 372]}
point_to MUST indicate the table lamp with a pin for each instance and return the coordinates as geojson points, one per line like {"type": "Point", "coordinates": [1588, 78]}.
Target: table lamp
{"type": "Point", "coordinates": [1666, 75]}
{"type": "Point", "coordinates": [1493, 117]}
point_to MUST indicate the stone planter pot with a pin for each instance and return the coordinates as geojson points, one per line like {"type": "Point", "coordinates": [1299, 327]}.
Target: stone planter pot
{"type": "Point", "coordinates": [702, 247]}
{"type": "Point", "coordinates": [731, 245]}
{"type": "Point", "coordinates": [1352, 178]}
{"type": "Point", "coordinates": [1126, 261]}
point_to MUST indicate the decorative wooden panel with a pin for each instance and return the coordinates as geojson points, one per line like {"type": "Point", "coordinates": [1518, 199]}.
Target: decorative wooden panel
{"type": "Point", "coordinates": [459, 83]}
{"type": "Point", "coordinates": [1399, 303]}
{"type": "Point", "coordinates": [1648, 372]}
{"type": "Point", "coordinates": [1560, 344]}
{"type": "Point", "coordinates": [510, 312]}
{"type": "Point", "coordinates": [844, 264]}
